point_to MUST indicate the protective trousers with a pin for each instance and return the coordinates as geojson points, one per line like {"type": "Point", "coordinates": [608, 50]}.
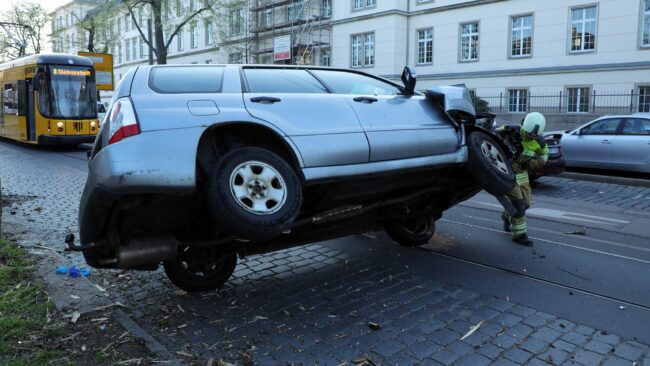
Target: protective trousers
{"type": "Point", "coordinates": [520, 196]}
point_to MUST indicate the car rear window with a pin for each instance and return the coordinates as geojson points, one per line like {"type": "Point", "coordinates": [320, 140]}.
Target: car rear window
{"type": "Point", "coordinates": [186, 79]}
{"type": "Point", "coordinates": [282, 81]}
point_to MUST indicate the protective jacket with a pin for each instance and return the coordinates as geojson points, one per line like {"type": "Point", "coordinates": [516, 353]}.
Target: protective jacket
{"type": "Point", "coordinates": [531, 154]}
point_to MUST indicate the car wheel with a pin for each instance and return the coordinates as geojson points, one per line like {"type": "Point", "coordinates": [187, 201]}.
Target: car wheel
{"type": "Point", "coordinates": [254, 193]}
{"type": "Point", "coordinates": [412, 231]}
{"type": "Point", "coordinates": [489, 165]}
{"type": "Point", "coordinates": [200, 269]}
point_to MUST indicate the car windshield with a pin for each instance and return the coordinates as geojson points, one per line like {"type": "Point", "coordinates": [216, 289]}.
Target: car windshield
{"type": "Point", "coordinates": [67, 92]}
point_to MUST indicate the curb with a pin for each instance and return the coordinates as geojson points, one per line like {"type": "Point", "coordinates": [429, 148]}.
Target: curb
{"type": "Point", "coordinates": [634, 182]}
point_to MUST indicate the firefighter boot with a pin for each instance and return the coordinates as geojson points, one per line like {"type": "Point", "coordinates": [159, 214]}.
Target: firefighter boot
{"type": "Point", "coordinates": [523, 240]}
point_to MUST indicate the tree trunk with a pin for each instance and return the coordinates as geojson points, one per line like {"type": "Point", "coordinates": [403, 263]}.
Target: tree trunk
{"type": "Point", "coordinates": [91, 40]}
{"type": "Point", "coordinates": [160, 49]}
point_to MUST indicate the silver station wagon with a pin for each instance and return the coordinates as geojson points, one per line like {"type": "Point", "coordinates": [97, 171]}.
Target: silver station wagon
{"type": "Point", "coordinates": [195, 165]}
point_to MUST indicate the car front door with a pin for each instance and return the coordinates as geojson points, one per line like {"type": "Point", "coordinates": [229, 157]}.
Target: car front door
{"type": "Point", "coordinates": [631, 149]}
{"type": "Point", "coordinates": [398, 126]}
{"type": "Point", "coordinates": [322, 125]}
{"type": "Point", "coordinates": [592, 144]}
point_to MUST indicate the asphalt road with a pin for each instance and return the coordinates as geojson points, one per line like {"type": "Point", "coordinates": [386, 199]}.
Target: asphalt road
{"type": "Point", "coordinates": [589, 265]}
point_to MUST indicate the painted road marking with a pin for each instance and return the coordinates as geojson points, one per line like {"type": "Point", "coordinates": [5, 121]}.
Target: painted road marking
{"type": "Point", "coordinates": [564, 215]}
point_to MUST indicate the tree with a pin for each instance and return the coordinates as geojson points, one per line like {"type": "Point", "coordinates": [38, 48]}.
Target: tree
{"type": "Point", "coordinates": [97, 25]}
{"type": "Point", "coordinates": [159, 8]}
{"type": "Point", "coordinates": [28, 36]}
{"type": "Point", "coordinates": [234, 36]}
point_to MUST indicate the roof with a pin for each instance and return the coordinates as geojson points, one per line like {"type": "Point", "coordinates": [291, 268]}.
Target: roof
{"type": "Point", "coordinates": [50, 59]}
{"type": "Point", "coordinates": [79, 2]}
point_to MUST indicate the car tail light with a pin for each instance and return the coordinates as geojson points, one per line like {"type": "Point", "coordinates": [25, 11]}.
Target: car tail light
{"type": "Point", "coordinates": [122, 121]}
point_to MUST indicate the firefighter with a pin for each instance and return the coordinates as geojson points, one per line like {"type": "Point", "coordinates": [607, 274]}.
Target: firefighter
{"type": "Point", "coordinates": [532, 154]}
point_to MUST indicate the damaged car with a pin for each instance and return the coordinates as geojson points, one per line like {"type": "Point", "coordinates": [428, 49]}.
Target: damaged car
{"type": "Point", "coordinates": [197, 165]}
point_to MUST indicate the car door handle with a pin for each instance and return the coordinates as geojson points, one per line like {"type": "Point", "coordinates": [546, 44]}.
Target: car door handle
{"type": "Point", "coordinates": [606, 141]}
{"type": "Point", "coordinates": [265, 100]}
{"type": "Point", "coordinates": [368, 100]}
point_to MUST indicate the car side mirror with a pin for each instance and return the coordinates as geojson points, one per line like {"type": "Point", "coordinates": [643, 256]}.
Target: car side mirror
{"type": "Point", "coordinates": [409, 79]}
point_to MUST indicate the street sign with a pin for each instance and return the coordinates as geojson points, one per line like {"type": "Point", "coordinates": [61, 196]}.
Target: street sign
{"type": "Point", "coordinates": [103, 63]}
{"type": "Point", "coordinates": [282, 48]}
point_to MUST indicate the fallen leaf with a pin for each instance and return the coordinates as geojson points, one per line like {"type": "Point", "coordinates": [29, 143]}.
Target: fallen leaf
{"type": "Point", "coordinates": [374, 326]}
{"type": "Point", "coordinates": [622, 307]}
{"type": "Point", "coordinates": [549, 360]}
{"type": "Point", "coordinates": [185, 354]}
{"type": "Point", "coordinates": [224, 363]}
{"type": "Point", "coordinates": [75, 317]}
{"type": "Point", "coordinates": [582, 231]}
{"type": "Point", "coordinates": [472, 330]}
{"type": "Point", "coordinates": [286, 312]}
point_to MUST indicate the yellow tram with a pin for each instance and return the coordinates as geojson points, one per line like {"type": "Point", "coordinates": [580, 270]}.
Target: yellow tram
{"type": "Point", "coordinates": [48, 100]}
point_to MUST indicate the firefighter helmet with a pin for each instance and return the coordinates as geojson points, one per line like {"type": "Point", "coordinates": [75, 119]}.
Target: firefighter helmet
{"type": "Point", "coordinates": [534, 124]}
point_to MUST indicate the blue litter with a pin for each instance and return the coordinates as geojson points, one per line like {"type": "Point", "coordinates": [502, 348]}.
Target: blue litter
{"type": "Point", "coordinates": [74, 272]}
{"type": "Point", "coordinates": [62, 270]}
{"type": "Point", "coordinates": [84, 272]}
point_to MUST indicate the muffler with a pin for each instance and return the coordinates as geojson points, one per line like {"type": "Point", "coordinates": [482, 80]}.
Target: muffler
{"type": "Point", "coordinates": [140, 252]}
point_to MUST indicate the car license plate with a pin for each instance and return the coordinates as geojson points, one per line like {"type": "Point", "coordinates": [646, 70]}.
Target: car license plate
{"type": "Point", "coordinates": [553, 150]}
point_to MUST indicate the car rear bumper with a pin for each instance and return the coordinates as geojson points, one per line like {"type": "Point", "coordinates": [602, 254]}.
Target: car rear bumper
{"type": "Point", "coordinates": [155, 162]}
{"type": "Point", "coordinates": [65, 140]}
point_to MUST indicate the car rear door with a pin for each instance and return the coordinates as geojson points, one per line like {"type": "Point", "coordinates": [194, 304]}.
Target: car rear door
{"type": "Point", "coordinates": [592, 146]}
{"type": "Point", "coordinates": [397, 126]}
{"type": "Point", "coordinates": [631, 149]}
{"type": "Point", "coordinates": [321, 124]}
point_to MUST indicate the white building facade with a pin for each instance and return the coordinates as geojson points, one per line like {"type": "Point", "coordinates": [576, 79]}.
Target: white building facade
{"type": "Point", "coordinates": [564, 56]}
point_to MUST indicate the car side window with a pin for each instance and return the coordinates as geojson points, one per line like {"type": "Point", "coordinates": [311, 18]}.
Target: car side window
{"type": "Point", "coordinates": [342, 82]}
{"type": "Point", "coordinates": [602, 127]}
{"type": "Point", "coordinates": [186, 79]}
{"type": "Point", "coordinates": [636, 126]}
{"type": "Point", "coordinates": [275, 80]}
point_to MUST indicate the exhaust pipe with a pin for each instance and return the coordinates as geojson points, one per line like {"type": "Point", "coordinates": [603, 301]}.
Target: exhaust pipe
{"type": "Point", "coordinates": [144, 251]}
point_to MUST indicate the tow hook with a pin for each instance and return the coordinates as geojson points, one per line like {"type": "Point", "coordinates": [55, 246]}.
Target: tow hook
{"type": "Point", "coordinates": [69, 240]}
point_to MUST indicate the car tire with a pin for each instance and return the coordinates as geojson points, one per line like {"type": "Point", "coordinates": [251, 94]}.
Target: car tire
{"type": "Point", "coordinates": [412, 231]}
{"type": "Point", "coordinates": [200, 269]}
{"type": "Point", "coordinates": [489, 165]}
{"type": "Point", "coordinates": [254, 193]}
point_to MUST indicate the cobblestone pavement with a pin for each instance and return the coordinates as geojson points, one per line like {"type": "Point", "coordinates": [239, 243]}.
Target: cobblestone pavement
{"type": "Point", "coordinates": [318, 305]}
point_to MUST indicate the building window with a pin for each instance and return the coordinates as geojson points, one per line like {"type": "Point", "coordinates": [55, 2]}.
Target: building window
{"type": "Point", "coordinates": [134, 47]}
{"type": "Point", "coordinates": [325, 58]}
{"type": "Point", "coordinates": [294, 11]}
{"type": "Point", "coordinates": [235, 58]}
{"type": "Point", "coordinates": [119, 53]}
{"type": "Point", "coordinates": [645, 31]}
{"type": "Point", "coordinates": [326, 8]}
{"type": "Point", "coordinates": [140, 16]}
{"type": "Point", "coordinates": [268, 18]}
{"type": "Point", "coordinates": [126, 23]}
{"type": "Point", "coordinates": [208, 32]}
{"type": "Point", "coordinates": [425, 46]}
{"type": "Point", "coordinates": [192, 5]}
{"type": "Point", "coordinates": [521, 36]}
{"type": "Point", "coordinates": [179, 40]}
{"type": "Point", "coordinates": [208, 61]}
{"type": "Point", "coordinates": [236, 22]}
{"type": "Point", "coordinates": [194, 37]}
{"type": "Point", "coordinates": [469, 42]}
{"type": "Point", "coordinates": [363, 50]}
{"type": "Point", "coordinates": [644, 99]}
{"type": "Point", "coordinates": [518, 100]}
{"type": "Point", "coordinates": [127, 47]}
{"type": "Point", "coordinates": [142, 54]}
{"type": "Point", "coordinates": [363, 4]}
{"type": "Point", "coordinates": [179, 7]}
{"type": "Point", "coordinates": [577, 100]}
{"type": "Point", "coordinates": [583, 29]}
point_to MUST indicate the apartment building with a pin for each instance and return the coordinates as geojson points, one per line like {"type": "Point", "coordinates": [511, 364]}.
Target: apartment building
{"type": "Point", "coordinates": [66, 36]}
{"type": "Point", "coordinates": [567, 56]}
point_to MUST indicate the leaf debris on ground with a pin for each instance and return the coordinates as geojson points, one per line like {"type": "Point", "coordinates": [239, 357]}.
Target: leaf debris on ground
{"type": "Point", "coordinates": [472, 330]}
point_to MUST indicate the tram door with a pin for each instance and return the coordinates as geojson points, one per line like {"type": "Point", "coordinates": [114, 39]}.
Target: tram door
{"type": "Point", "coordinates": [31, 125]}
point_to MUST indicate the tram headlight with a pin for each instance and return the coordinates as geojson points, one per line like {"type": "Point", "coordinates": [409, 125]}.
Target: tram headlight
{"type": "Point", "coordinates": [93, 124]}
{"type": "Point", "coordinates": [59, 126]}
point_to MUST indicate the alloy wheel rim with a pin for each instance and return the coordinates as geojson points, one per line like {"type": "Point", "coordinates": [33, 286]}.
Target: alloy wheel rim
{"type": "Point", "coordinates": [258, 188]}
{"type": "Point", "coordinates": [493, 155]}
